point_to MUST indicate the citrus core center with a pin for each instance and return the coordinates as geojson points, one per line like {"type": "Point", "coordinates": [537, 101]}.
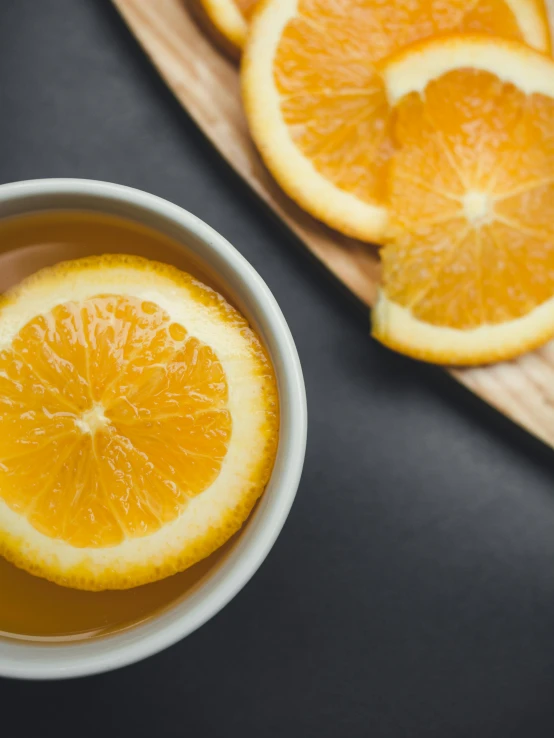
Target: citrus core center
{"type": "Point", "coordinates": [92, 420]}
{"type": "Point", "coordinates": [477, 207]}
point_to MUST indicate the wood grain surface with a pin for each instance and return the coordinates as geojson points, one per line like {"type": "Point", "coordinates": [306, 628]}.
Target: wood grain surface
{"type": "Point", "coordinates": [206, 83]}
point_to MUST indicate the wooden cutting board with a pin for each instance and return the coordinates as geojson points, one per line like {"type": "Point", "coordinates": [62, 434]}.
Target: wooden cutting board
{"type": "Point", "coordinates": [206, 84]}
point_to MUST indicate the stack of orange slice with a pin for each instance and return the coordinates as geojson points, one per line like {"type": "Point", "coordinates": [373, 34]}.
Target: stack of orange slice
{"type": "Point", "coordinates": [316, 103]}
{"type": "Point", "coordinates": [423, 126]}
{"type": "Point", "coordinates": [469, 262]}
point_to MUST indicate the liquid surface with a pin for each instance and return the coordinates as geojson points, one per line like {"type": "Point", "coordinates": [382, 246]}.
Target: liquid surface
{"type": "Point", "coordinates": [31, 607]}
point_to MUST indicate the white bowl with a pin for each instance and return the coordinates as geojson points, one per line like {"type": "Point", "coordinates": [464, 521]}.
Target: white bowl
{"type": "Point", "coordinates": [25, 659]}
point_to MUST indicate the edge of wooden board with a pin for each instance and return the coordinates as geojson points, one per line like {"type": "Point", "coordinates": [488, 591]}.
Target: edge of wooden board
{"type": "Point", "coordinates": [206, 84]}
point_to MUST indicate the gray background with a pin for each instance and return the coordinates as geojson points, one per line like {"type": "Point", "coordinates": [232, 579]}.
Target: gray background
{"type": "Point", "coordinates": [412, 590]}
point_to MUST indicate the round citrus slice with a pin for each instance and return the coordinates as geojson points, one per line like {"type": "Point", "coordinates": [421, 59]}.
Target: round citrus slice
{"type": "Point", "coordinates": [315, 101]}
{"type": "Point", "coordinates": [227, 20]}
{"type": "Point", "coordinates": [468, 272]}
{"type": "Point", "coordinates": [138, 422]}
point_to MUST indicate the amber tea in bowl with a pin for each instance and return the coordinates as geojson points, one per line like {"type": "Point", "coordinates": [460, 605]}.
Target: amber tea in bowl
{"type": "Point", "coordinates": [149, 542]}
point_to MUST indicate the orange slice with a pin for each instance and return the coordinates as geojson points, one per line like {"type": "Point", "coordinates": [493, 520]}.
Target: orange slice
{"type": "Point", "coordinates": [138, 422]}
{"type": "Point", "coordinates": [315, 101]}
{"type": "Point", "coordinates": [228, 20]}
{"type": "Point", "coordinates": [469, 269]}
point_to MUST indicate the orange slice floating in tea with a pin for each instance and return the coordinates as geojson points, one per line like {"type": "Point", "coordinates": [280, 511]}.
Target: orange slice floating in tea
{"type": "Point", "coordinates": [315, 100]}
{"type": "Point", "coordinates": [469, 269]}
{"type": "Point", "coordinates": [138, 422]}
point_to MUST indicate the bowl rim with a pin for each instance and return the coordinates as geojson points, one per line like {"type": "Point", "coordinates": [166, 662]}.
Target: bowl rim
{"type": "Point", "coordinates": [27, 660]}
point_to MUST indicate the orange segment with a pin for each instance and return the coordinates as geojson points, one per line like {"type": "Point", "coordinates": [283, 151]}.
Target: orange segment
{"type": "Point", "coordinates": [469, 264]}
{"type": "Point", "coordinates": [315, 99]}
{"type": "Point", "coordinates": [116, 421]}
{"type": "Point", "coordinates": [72, 504]}
{"type": "Point", "coordinates": [117, 329]}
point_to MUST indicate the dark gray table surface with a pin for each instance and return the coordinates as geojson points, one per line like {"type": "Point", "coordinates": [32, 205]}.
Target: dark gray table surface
{"type": "Point", "coordinates": [411, 592]}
